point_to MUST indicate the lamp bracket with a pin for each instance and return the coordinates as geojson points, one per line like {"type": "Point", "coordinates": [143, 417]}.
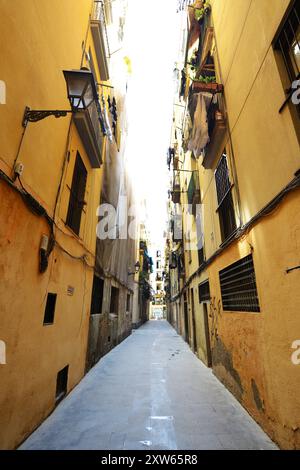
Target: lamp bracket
{"type": "Point", "coordinates": [37, 115]}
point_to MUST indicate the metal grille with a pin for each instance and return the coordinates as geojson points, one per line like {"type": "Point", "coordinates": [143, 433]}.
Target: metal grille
{"type": "Point", "coordinates": [204, 292]}
{"type": "Point", "coordinates": [225, 199]}
{"type": "Point", "coordinates": [288, 41]}
{"type": "Point", "coordinates": [238, 286]}
{"type": "Point", "coordinates": [222, 179]}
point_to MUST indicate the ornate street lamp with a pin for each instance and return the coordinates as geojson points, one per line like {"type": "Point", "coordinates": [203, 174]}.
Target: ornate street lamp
{"type": "Point", "coordinates": [137, 268]}
{"type": "Point", "coordinates": [82, 92]}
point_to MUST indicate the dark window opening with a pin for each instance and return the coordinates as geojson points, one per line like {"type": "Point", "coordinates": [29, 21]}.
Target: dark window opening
{"type": "Point", "coordinates": [77, 193]}
{"type": "Point", "coordinates": [128, 303]}
{"type": "Point", "coordinates": [201, 256]}
{"type": "Point", "coordinates": [97, 295]}
{"type": "Point", "coordinates": [225, 199]}
{"type": "Point", "coordinates": [62, 384]}
{"type": "Point", "coordinates": [92, 65]}
{"type": "Point", "coordinates": [204, 292]}
{"type": "Point", "coordinates": [50, 309]}
{"type": "Point", "coordinates": [114, 300]}
{"type": "Point", "coordinates": [238, 286]}
{"type": "Point", "coordinates": [288, 41]}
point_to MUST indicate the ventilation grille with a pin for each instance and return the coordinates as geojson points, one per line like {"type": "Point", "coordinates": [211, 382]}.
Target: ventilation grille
{"type": "Point", "coordinates": [238, 286]}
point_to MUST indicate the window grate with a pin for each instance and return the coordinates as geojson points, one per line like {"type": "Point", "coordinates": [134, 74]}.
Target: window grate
{"type": "Point", "coordinates": [288, 41]}
{"type": "Point", "coordinates": [225, 199]}
{"type": "Point", "coordinates": [222, 179]}
{"type": "Point", "coordinates": [204, 292]}
{"type": "Point", "coordinates": [238, 286]}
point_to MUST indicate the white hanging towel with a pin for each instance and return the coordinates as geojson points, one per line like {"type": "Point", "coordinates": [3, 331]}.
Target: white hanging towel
{"type": "Point", "coordinates": [199, 137]}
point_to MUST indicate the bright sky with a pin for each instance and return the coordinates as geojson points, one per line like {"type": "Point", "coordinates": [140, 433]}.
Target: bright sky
{"type": "Point", "coordinates": [152, 45]}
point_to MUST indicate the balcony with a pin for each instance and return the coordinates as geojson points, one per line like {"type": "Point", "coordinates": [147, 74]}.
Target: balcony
{"type": "Point", "coordinates": [87, 123]}
{"type": "Point", "coordinates": [99, 33]}
{"type": "Point", "coordinates": [193, 193]}
{"type": "Point", "coordinates": [216, 129]}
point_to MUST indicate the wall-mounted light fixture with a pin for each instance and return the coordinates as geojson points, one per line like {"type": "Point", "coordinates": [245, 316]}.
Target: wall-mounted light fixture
{"type": "Point", "coordinates": [82, 92]}
{"type": "Point", "coordinates": [137, 268]}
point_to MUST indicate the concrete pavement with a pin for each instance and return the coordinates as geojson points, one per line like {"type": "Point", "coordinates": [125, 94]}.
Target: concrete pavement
{"type": "Point", "coordinates": [150, 392]}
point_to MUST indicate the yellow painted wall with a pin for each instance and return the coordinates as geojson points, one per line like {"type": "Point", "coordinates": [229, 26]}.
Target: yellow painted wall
{"type": "Point", "coordinates": [252, 351]}
{"type": "Point", "coordinates": [260, 343]}
{"type": "Point", "coordinates": [46, 37]}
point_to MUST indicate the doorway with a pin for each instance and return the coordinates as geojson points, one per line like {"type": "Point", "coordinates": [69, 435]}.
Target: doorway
{"type": "Point", "coordinates": [195, 348]}
{"type": "Point", "coordinates": [186, 318]}
{"type": "Point", "coordinates": [207, 335]}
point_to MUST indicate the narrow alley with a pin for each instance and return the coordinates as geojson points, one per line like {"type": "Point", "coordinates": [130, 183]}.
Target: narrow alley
{"type": "Point", "coordinates": [149, 227]}
{"type": "Point", "coordinates": [150, 392]}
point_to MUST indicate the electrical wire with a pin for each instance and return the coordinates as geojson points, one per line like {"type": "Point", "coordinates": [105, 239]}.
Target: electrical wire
{"type": "Point", "coordinates": [266, 211]}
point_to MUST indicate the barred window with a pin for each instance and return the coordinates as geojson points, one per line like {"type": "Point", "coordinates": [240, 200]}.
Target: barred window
{"type": "Point", "coordinates": [287, 41]}
{"type": "Point", "coordinates": [238, 286]}
{"type": "Point", "coordinates": [225, 200]}
{"type": "Point", "coordinates": [204, 292]}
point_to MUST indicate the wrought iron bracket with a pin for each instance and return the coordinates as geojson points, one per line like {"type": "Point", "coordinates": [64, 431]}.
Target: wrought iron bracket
{"type": "Point", "coordinates": [37, 115]}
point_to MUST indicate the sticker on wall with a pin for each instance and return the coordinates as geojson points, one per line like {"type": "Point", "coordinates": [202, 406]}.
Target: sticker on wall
{"type": "Point", "coordinates": [2, 352]}
{"type": "Point", "coordinates": [2, 92]}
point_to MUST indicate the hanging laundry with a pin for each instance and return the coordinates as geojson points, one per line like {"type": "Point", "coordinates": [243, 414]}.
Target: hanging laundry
{"type": "Point", "coordinates": [106, 121]}
{"type": "Point", "coordinates": [200, 137]}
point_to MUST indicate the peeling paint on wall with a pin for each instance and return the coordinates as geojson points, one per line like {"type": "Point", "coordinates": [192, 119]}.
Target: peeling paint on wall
{"type": "Point", "coordinates": [256, 395]}
{"type": "Point", "coordinates": [224, 368]}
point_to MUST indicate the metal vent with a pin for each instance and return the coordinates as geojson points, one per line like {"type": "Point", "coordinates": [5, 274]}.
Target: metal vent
{"type": "Point", "coordinates": [238, 286]}
{"type": "Point", "coordinates": [204, 292]}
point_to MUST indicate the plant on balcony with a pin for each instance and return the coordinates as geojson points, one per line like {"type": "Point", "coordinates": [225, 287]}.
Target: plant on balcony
{"type": "Point", "coordinates": [201, 12]}
{"type": "Point", "coordinates": [206, 79]}
{"type": "Point", "coordinates": [206, 84]}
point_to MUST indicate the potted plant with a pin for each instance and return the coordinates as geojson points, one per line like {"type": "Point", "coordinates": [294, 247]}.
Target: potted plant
{"type": "Point", "coordinates": [206, 84]}
{"type": "Point", "coordinates": [202, 11]}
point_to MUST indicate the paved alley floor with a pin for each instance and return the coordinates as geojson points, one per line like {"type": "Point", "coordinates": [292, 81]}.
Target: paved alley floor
{"type": "Point", "coordinates": [151, 392]}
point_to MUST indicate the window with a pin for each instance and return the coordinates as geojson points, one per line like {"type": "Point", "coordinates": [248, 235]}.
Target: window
{"type": "Point", "coordinates": [97, 295]}
{"type": "Point", "coordinates": [92, 65]}
{"type": "Point", "coordinates": [50, 309]}
{"type": "Point", "coordinates": [287, 41]}
{"type": "Point", "coordinates": [61, 384]}
{"type": "Point", "coordinates": [128, 303]}
{"type": "Point", "coordinates": [238, 286]}
{"type": "Point", "coordinates": [77, 193]}
{"type": "Point", "coordinates": [158, 254]}
{"type": "Point", "coordinates": [200, 256]}
{"type": "Point", "coordinates": [204, 292]}
{"type": "Point", "coordinates": [225, 200]}
{"type": "Point", "coordinates": [114, 300]}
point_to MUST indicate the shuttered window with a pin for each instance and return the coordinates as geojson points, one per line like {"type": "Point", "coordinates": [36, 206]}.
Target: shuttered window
{"type": "Point", "coordinates": [204, 292]}
{"type": "Point", "coordinates": [77, 192]}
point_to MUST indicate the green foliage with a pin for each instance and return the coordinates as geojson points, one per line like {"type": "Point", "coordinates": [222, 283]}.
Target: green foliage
{"type": "Point", "coordinates": [200, 12]}
{"type": "Point", "coordinates": [203, 79]}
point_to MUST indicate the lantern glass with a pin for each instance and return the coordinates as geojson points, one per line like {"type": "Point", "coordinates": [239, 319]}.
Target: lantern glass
{"type": "Point", "coordinates": [81, 88]}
